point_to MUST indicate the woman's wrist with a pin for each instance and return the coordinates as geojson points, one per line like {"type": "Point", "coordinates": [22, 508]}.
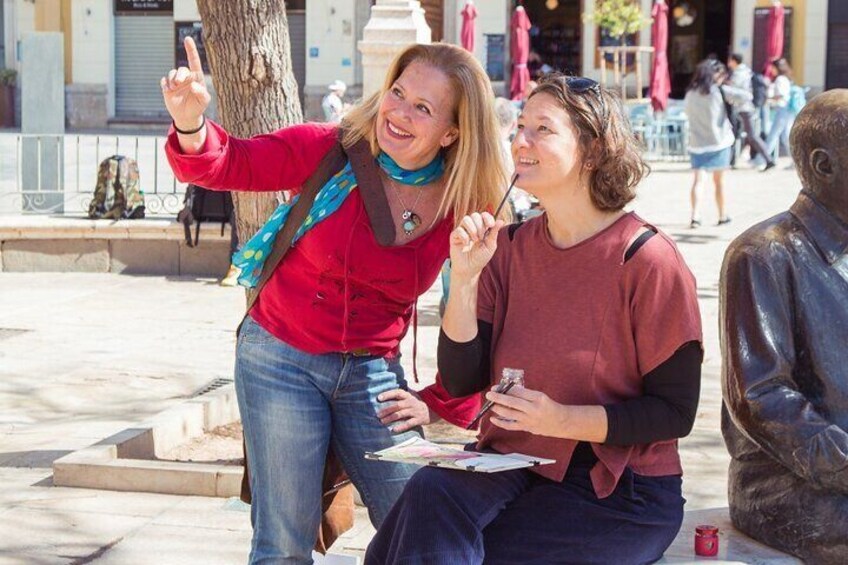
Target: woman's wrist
{"type": "Point", "coordinates": [582, 422]}
{"type": "Point", "coordinates": [190, 128]}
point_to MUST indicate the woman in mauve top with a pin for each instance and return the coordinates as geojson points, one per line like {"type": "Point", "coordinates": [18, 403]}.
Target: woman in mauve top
{"type": "Point", "coordinates": [599, 310]}
{"type": "Point", "coordinates": [320, 349]}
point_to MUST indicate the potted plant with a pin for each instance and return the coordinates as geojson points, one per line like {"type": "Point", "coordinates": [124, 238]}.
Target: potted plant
{"type": "Point", "coordinates": [8, 80]}
{"type": "Point", "coordinates": [618, 18]}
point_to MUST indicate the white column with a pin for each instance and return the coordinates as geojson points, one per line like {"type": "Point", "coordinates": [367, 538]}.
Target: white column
{"type": "Point", "coordinates": [815, 47]}
{"type": "Point", "coordinates": [394, 25]}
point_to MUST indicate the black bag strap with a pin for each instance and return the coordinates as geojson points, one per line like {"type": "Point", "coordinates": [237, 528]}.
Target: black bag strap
{"type": "Point", "coordinates": [639, 242]}
{"type": "Point", "coordinates": [332, 163]}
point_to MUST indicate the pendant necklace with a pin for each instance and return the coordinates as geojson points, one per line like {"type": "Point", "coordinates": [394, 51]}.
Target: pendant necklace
{"type": "Point", "coordinates": [411, 220]}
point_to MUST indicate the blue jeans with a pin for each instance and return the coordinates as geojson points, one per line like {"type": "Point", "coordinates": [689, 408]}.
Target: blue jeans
{"type": "Point", "coordinates": [779, 131]}
{"type": "Point", "coordinates": [293, 404]}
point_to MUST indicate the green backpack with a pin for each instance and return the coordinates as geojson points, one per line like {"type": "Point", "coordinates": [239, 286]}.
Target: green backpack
{"type": "Point", "coordinates": [117, 194]}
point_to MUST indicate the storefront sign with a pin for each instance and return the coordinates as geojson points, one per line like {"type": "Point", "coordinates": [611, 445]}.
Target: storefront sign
{"type": "Point", "coordinates": [134, 6]}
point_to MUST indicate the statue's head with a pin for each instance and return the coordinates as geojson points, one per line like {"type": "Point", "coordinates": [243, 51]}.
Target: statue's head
{"type": "Point", "coordinates": [819, 142]}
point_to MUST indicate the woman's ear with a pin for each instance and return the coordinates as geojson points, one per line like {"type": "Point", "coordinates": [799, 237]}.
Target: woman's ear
{"type": "Point", "coordinates": [450, 136]}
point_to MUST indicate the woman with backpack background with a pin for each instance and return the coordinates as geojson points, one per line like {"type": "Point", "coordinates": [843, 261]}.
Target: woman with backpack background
{"type": "Point", "coordinates": [318, 356]}
{"type": "Point", "coordinates": [784, 115]}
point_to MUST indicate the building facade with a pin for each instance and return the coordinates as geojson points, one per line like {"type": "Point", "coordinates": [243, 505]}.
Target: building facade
{"type": "Point", "coordinates": [116, 50]}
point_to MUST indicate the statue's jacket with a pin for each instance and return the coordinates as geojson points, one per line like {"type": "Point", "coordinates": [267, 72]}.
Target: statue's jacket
{"type": "Point", "coordinates": [784, 333]}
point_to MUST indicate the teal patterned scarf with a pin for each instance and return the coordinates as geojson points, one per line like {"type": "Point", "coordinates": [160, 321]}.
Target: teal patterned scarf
{"type": "Point", "coordinates": [251, 258]}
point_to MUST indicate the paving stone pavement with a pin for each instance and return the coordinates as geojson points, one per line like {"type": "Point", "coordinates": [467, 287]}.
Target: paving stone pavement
{"type": "Point", "coordinates": [98, 353]}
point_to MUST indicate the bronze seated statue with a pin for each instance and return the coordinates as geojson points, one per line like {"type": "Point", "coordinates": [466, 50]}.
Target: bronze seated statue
{"type": "Point", "coordinates": [784, 339]}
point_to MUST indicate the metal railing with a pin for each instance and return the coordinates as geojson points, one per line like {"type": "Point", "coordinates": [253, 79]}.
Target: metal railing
{"type": "Point", "coordinates": [56, 174]}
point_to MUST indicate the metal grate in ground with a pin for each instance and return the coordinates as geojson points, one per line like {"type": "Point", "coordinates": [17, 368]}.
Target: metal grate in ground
{"type": "Point", "coordinates": [210, 386]}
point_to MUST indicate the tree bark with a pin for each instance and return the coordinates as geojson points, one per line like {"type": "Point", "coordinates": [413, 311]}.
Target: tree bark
{"type": "Point", "coordinates": [247, 46]}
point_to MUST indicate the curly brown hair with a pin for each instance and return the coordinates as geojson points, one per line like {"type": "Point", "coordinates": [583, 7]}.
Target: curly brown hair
{"type": "Point", "coordinates": [604, 133]}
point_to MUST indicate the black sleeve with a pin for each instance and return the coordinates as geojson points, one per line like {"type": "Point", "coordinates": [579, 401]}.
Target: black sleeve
{"type": "Point", "coordinates": [667, 408]}
{"type": "Point", "coordinates": [464, 367]}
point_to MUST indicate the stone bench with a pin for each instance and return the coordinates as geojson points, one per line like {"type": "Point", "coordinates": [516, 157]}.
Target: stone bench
{"type": "Point", "coordinates": [154, 246]}
{"type": "Point", "coordinates": [733, 546]}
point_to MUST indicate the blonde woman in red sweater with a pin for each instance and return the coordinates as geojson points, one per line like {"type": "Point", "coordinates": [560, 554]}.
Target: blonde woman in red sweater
{"type": "Point", "coordinates": [318, 358]}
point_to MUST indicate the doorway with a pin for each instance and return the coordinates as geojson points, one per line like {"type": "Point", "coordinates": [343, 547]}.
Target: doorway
{"type": "Point", "coordinates": [697, 29]}
{"type": "Point", "coordinates": [556, 36]}
{"type": "Point", "coordinates": [836, 73]}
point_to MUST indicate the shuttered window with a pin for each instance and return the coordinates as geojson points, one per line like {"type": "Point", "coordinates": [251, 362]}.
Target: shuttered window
{"type": "Point", "coordinates": [144, 53]}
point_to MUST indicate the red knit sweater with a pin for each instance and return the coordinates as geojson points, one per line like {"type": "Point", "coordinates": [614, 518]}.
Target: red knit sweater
{"type": "Point", "coordinates": [337, 290]}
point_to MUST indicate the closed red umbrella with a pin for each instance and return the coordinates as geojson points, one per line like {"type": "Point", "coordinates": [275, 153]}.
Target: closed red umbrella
{"type": "Point", "coordinates": [660, 79]}
{"type": "Point", "coordinates": [520, 48]}
{"type": "Point", "coordinates": [466, 36]}
{"type": "Point", "coordinates": [774, 38]}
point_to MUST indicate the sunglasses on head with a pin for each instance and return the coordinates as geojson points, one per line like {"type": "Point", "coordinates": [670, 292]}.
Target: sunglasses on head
{"type": "Point", "coordinates": [582, 85]}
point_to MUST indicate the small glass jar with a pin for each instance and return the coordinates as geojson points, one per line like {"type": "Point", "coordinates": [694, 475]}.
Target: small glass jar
{"type": "Point", "coordinates": [508, 375]}
{"type": "Point", "coordinates": [706, 540]}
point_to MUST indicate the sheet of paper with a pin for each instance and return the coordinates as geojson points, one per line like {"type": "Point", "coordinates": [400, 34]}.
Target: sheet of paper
{"type": "Point", "coordinates": [422, 452]}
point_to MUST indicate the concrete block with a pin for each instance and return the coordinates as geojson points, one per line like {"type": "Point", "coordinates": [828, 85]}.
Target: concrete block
{"type": "Point", "coordinates": [134, 443]}
{"type": "Point", "coordinates": [228, 482]}
{"type": "Point", "coordinates": [176, 426]}
{"type": "Point", "coordinates": [86, 105]}
{"type": "Point", "coordinates": [48, 255]}
{"type": "Point", "coordinates": [148, 257]}
{"type": "Point", "coordinates": [211, 258]}
{"type": "Point", "coordinates": [220, 409]}
{"type": "Point", "coordinates": [733, 546]}
{"type": "Point", "coordinates": [140, 476]}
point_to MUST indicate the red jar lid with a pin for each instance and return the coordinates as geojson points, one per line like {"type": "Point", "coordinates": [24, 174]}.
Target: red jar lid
{"type": "Point", "coordinates": [706, 530]}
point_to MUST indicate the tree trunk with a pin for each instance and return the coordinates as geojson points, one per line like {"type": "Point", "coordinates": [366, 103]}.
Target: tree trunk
{"type": "Point", "coordinates": [247, 46]}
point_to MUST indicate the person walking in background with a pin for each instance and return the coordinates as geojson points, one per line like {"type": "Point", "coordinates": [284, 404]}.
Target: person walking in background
{"type": "Point", "coordinates": [318, 356]}
{"type": "Point", "coordinates": [333, 103]}
{"type": "Point", "coordinates": [740, 78]}
{"type": "Point", "coordinates": [711, 136]}
{"type": "Point", "coordinates": [781, 125]}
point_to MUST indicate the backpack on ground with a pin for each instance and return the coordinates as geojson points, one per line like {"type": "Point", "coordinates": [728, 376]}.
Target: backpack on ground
{"type": "Point", "coordinates": [797, 99]}
{"type": "Point", "coordinates": [759, 88]}
{"type": "Point", "coordinates": [117, 194]}
{"type": "Point", "coordinates": [204, 205]}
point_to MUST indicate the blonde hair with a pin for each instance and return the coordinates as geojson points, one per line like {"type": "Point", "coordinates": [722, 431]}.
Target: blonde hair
{"type": "Point", "coordinates": [474, 168]}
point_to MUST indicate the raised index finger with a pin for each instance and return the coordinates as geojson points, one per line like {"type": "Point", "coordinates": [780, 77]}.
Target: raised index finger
{"type": "Point", "coordinates": [193, 56]}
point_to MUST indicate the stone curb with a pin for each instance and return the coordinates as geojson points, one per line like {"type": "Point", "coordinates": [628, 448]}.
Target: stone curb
{"type": "Point", "coordinates": [126, 461]}
{"type": "Point", "coordinates": [67, 227]}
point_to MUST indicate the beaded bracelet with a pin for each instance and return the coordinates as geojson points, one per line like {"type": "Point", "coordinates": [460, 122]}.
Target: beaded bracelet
{"type": "Point", "coordinates": [190, 131]}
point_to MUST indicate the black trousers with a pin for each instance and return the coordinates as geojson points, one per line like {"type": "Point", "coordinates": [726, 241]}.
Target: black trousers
{"type": "Point", "coordinates": [447, 517]}
{"type": "Point", "coordinates": [756, 143]}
